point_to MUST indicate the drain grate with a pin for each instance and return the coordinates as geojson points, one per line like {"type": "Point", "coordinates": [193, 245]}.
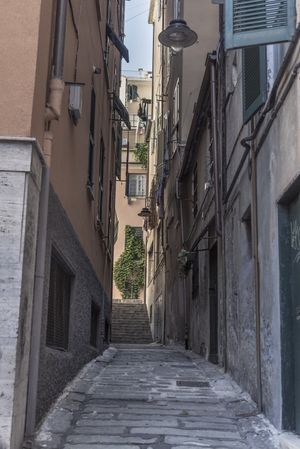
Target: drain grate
{"type": "Point", "coordinates": [192, 384]}
{"type": "Point", "coordinates": [184, 366]}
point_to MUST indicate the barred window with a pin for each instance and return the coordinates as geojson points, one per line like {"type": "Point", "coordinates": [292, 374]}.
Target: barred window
{"type": "Point", "coordinates": [58, 304]}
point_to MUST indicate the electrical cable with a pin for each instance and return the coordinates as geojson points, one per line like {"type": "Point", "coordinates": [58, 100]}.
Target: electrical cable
{"type": "Point", "coordinates": [137, 15]}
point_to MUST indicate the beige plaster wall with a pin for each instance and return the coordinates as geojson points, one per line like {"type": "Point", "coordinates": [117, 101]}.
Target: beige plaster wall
{"type": "Point", "coordinates": [19, 29]}
{"type": "Point", "coordinates": [204, 20]}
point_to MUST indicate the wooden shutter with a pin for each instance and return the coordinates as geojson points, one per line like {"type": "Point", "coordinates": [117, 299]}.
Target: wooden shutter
{"type": "Point", "coordinates": [258, 22]}
{"type": "Point", "coordinates": [254, 80]}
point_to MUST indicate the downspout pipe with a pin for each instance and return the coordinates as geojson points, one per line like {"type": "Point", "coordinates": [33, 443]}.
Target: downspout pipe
{"type": "Point", "coordinates": [250, 148]}
{"type": "Point", "coordinates": [53, 112]}
{"type": "Point", "coordinates": [212, 59]}
{"type": "Point", "coordinates": [53, 108]}
{"type": "Point", "coordinates": [59, 39]}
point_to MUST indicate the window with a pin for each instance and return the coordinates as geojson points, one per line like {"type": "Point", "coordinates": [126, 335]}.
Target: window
{"type": "Point", "coordinates": [109, 221]}
{"type": "Point", "coordinates": [138, 232]}
{"type": "Point", "coordinates": [150, 263]}
{"type": "Point", "coordinates": [117, 142]}
{"type": "Point", "coordinates": [176, 106]}
{"type": "Point", "coordinates": [136, 185]}
{"type": "Point", "coordinates": [174, 136]}
{"type": "Point", "coordinates": [195, 190]}
{"type": "Point", "coordinates": [95, 320]}
{"type": "Point", "coordinates": [91, 140]}
{"type": "Point", "coordinates": [108, 21]}
{"type": "Point", "coordinates": [58, 305]}
{"type": "Point", "coordinates": [254, 80]}
{"type": "Point", "coordinates": [258, 23]}
{"type": "Point", "coordinates": [132, 92]}
{"type": "Point", "coordinates": [101, 182]}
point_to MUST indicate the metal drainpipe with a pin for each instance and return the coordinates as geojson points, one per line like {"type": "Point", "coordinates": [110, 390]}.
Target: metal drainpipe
{"type": "Point", "coordinates": [254, 214]}
{"type": "Point", "coordinates": [59, 40]}
{"type": "Point", "coordinates": [37, 312]}
{"type": "Point", "coordinates": [212, 59]}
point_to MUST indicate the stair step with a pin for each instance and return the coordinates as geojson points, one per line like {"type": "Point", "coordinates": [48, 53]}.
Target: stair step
{"type": "Point", "coordinates": [130, 323]}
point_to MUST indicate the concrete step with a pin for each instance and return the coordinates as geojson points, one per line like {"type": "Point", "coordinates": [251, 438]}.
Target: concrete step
{"type": "Point", "coordinates": [130, 323]}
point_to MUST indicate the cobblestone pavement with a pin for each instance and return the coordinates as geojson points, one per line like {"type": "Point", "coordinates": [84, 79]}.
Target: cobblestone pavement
{"type": "Point", "coordinates": [154, 398]}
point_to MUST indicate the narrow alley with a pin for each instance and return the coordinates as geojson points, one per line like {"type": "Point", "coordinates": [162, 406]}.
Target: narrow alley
{"type": "Point", "coordinates": [150, 224]}
{"type": "Point", "coordinates": [150, 397]}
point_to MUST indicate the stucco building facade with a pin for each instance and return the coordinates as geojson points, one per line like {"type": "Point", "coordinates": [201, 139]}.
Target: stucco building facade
{"type": "Point", "coordinates": [136, 94]}
{"type": "Point", "coordinates": [59, 127]}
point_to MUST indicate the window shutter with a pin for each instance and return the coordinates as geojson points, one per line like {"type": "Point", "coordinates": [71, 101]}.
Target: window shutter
{"type": "Point", "coordinates": [258, 22]}
{"type": "Point", "coordinates": [254, 80]}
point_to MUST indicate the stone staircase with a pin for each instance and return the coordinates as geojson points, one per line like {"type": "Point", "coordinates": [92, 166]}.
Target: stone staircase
{"type": "Point", "coordinates": [130, 322]}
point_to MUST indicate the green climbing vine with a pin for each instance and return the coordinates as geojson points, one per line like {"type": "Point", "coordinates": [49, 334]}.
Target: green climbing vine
{"type": "Point", "coordinates": [141, 154]}
{"type": "Point", "coordinates": [129, 268]}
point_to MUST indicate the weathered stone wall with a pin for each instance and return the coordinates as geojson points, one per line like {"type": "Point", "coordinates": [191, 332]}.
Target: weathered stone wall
{"type": "Point", "coordinates": [20, 181]}
{"type": "Point", "coordinates": [57, 368]}
{"type": "Point", "coordinates": [278, 166]}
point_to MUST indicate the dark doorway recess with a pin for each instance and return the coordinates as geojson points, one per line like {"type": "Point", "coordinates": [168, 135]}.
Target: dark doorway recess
{"type": "Point", "coordinates": [289, 247]}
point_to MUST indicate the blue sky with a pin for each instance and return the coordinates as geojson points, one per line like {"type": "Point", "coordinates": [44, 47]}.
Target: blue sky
{"type": "Point", "coordinates": [138, 38]}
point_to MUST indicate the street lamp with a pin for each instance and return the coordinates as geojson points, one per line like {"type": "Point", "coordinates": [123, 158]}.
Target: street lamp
{"type": "Point", "coordinates": [145, 212]}
{"type": "Point", "coordinates": [178, 35]}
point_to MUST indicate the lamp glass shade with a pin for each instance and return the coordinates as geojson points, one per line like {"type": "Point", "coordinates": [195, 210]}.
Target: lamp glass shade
{"type": "Point", "coordinates": [178, 35]}
{"type": "Point", "coordinates": [145, 212]}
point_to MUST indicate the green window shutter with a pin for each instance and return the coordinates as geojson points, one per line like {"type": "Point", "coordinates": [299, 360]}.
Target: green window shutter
{"type": "Point", "coordinates": [254, 80]}
{"type": "Point", "coordinates": [258, 22]}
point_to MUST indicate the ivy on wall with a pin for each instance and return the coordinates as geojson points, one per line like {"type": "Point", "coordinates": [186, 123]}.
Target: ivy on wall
{"type": "Point", "coordinates": [141, 154]}
{"type": "Point", "coordinates": [129, 268]}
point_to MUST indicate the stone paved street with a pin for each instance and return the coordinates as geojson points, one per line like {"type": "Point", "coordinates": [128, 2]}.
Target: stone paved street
{"type": "Point", "coordinates": [154, 398]}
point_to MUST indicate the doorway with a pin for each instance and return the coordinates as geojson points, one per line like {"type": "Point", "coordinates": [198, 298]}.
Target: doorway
{"type": "Point", "coordinates": [213, 304]}
{"type": "Point", "coordinates": [289, 243]}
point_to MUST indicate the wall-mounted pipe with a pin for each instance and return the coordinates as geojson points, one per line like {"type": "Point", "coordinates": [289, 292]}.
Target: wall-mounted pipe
{"type": "Point", "coordinates": [53, 111]}
{"type": "Point", "coordinates": [59, 39]}
{"type": "Point", "coordinates": [53, 107]}
{"type": "Point", "coordinates": [212, 59]}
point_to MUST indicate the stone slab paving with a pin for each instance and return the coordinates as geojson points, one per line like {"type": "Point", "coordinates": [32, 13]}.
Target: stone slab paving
{"type": "Point", "coordinates": [154, 397]}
